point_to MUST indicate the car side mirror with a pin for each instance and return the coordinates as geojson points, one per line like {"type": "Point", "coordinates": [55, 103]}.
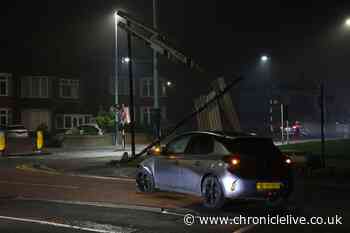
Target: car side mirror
{"type": "Point", "coordinates": [158, 150]}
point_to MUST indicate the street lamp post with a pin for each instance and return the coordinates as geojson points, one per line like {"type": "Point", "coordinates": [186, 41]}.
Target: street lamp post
{"type": "Point", "coordinates": [116, 70]}
{"type": "Point", "coordinates": [156, 113]}
{"type": "Point", "coordinates": [265, 59]}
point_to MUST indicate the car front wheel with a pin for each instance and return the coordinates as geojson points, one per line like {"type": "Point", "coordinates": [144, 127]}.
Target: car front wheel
{"type": "Point", "coordinates": [212, 192]}
{"type": "Point", "coordinates": [144, 181]}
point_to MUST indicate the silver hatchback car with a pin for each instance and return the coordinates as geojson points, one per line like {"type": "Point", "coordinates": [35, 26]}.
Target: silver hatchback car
{"type": "Point", "coordinates": [218, 166]}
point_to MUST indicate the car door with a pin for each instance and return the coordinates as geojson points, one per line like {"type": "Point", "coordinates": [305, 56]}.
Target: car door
{"type": "Point", "coordinates": [167, 167]}
{"type": "Point", "coordinates": [196, 161]}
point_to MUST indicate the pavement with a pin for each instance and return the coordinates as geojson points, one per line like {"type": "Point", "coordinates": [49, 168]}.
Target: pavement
{"type": "Point", "coordinates": [91, 152]}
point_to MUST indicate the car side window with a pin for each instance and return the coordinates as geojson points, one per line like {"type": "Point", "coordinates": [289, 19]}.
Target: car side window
{"type": "Point", "coordinates": [201, 144]}
{"type": "Point", "coordinates": [178, 145]}
{"type": "Point", "coordinates": [88, 130]}
{"type": "Point", "coordinates": [220, 149]}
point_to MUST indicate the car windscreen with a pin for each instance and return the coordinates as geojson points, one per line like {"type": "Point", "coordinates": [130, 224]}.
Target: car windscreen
{"type": "Point", "coordinates": [251, 146]}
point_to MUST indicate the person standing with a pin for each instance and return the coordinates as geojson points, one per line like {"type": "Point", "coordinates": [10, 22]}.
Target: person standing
{"type": "Point", "coordinates": [115, 110]}
{"type": "Point", "coordinates": [123, 116]}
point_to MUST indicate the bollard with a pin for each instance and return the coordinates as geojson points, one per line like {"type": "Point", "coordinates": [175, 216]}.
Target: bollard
{"type": "Point", "coordinates": [2, 142]}
{"type": "Point", "coordinates": [39, 140]}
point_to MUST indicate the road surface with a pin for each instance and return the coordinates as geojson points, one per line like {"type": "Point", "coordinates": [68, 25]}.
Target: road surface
{"type": "Point", "coordinates": [40, 202]}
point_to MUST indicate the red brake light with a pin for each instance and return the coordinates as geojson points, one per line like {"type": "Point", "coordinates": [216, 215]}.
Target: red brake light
{"type": "Point", "coordinates": [233, 160]}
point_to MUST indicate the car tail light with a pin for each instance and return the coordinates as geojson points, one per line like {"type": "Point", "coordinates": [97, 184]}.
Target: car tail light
{"type": "Point", "coordinates": [233, 161]}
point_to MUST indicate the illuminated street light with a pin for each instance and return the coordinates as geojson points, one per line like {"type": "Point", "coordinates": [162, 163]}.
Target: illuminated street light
{"type": "Point", "coordinates": [347, 22]}
{"type": "Point", "coordinates": [168, 83]}
{"type": "Point", "coordinates": [264, 58]}
{"type": "Point", "coordinates": [125, 60]}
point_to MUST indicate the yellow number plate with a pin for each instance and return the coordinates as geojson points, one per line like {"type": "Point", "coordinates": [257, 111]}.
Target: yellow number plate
{"type": "Point", "coordinates": [267, 185]}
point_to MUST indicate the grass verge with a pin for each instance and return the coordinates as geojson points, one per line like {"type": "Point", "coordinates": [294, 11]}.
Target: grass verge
{"type": "Point", "coordinates": [334, 149]}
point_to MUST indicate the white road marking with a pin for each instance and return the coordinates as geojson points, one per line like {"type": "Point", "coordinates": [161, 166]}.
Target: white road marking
{"type": "Point", "coordinates": [54, 224]}
{"type": "Point", "coordinates": [42, 185]}
{"type": "Point", "coordinates": [245, 228]}
{"type": "Point", "coordinates": [104, 177]}
{"type": "Point", "coordinates": [29, 168]}
{"type": "Point", "coordinates": [165, 211]}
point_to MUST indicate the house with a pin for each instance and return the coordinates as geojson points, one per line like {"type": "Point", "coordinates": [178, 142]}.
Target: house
{"type": "Point", "coordinates": [143, 93]}
{"type": "Point", "coordinates": [7, 98]}
{"type": "Point", "coordinates": [56, 101]}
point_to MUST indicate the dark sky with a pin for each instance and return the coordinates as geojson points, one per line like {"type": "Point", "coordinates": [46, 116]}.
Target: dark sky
{"type": "Point", "coordinates": [76, 37]}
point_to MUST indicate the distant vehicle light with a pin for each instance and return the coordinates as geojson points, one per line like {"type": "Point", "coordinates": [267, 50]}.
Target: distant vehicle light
{"type": "Point", "coordinates": [288, 160]}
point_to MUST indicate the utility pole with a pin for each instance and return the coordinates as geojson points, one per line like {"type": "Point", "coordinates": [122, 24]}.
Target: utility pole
{"type": "Point", "coordinates": [156, 110]}
{"type": "Point", "coordinates": [131, 88]}
{"type": "Point", "coordinates": [271, 114]}
{"type": "Point", "coordinates": [287, 124]}
{"type": "Point", "coordinates": [322, 124]}
{"type": "Point", "coordinates": [282, 124]}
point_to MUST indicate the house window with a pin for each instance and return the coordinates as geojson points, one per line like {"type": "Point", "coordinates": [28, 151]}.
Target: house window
{"type": "Point", "coordinates": [146, 87]}
{"type": "Point", "coordinates": [5, 117]}
{"type": "Point", "coordinates": [68, 121]}
{"type": "Point", "coordinates": [87, 119]}
{"type": "Point", "coordinates": [145, 115]}
{"type": "Point", "coordinates": [35, 87]}
{"type": "Point", "coordinates": [69, 88]}
{"type": "Point", "coordinates": [123, 86]}
{"type": "Point", "coordinates": [4, 86]}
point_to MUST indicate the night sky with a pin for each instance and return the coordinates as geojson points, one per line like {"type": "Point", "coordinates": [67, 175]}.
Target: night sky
{"type": "Point", "coordinates": [304, 39]}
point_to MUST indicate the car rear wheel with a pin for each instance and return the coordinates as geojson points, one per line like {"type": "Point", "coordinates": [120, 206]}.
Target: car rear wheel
{"type": "Point", "coordinates": [144, 181]}
{"type": "Point", "coordinates": [212, 192]}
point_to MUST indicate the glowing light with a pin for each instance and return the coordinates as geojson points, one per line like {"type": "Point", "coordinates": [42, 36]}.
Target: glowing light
{"type": "Point", "coordinates": [235, 161]}
{"type": "Point", "coordinates": [347, 22]}
{"type": "Point", "coordinates": [168, 83]}
{"type": "Point", "coordinates": [125, 60]}
{"type": "Point", "coordinates": [288, 161]}
{"type": "Point", "coordinates": [264, 58]}
{"type": "Point", "coordinates": [157, 149]}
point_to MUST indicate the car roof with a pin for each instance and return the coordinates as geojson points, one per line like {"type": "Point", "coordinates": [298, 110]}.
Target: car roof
{"type": "Point", "coordinates": [89, 124]}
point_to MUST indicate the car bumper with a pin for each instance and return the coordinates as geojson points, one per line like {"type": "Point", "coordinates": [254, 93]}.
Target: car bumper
{"type": "Point", "coordinates": [235, 187]}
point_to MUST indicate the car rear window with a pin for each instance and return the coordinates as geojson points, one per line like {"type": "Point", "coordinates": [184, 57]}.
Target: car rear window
{"type": "Point", "coordinates": [251, 146]}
